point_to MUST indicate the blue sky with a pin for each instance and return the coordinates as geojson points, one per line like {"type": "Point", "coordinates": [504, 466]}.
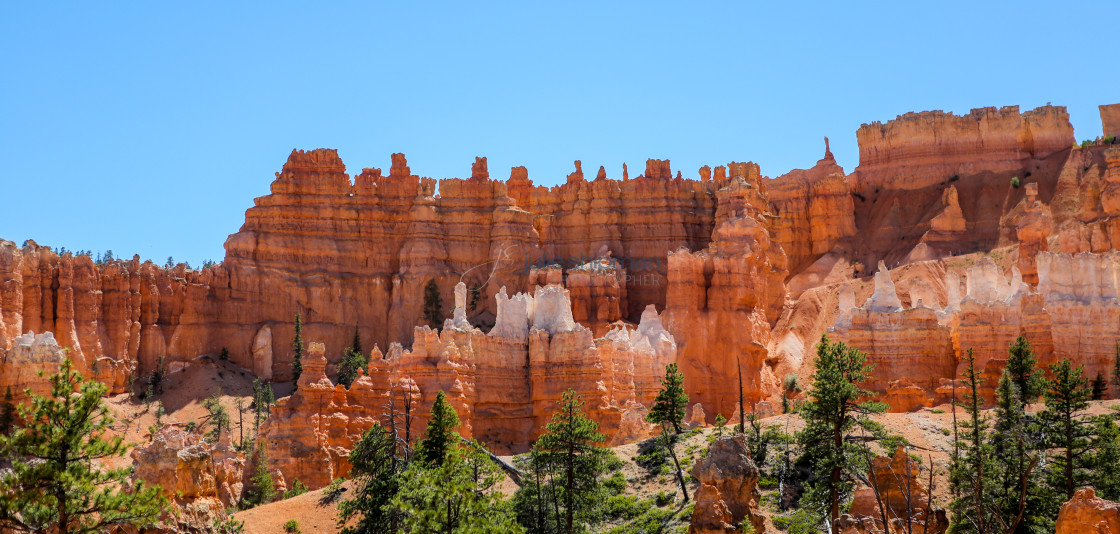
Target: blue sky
{"type": "Point", "coordinates": [149, 127]}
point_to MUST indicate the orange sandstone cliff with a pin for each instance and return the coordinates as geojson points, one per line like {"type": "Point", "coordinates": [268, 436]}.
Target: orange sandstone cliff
{"type": "Point", "coordinates": [587, 285]}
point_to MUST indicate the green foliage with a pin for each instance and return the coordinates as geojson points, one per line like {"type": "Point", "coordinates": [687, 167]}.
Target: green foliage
{"type": "Point", "coordinates": [1100, 387]}
{"type": "Point", "coordinates": [218, 418]}
{"type": "Point", "coordinates": [1086, 143]}
{"type": "Point", "coordinates": [224, 355]}
{"type": "Point", "coordinates": [56, 480]}
{"type": "Point", "coordinates": [1109, 140]}
{"type": "Point", "coordinates": [668, 411]}
{"type": "Point", "coordinates": [662, 499]}
{"type": "Point", "coordinates": [348, 368]}
{"type": "Point", "coordinates": [440, 436]}
{"type": "Point", "coordinates": [671, 403]}
{"type": "Point", "coordinates": [263, 399]}
{"type": "Point", "coordinates": [1016, 482]}
{"type": "Point", "coordinates": [454, 495]}
{"type": "Point", "coordinates": [720, 422]}
{"type": "Point", "coordinates": [1021, 366]}
{"type": "Point", "coordinates": [297, 350]}
{"type": "Point", "coordinates": [7, 413]}
{"type": "Point", "coordinates": [1067, 395]}
{"type": "Point", "coordinates": [563, 487]}
{"type": "Point", "coordinates": [262, 489]}
{"type": "Point", "coordinates": [377, 467]}
{"type": "Point", "coordinates": [1105, 460]}
{"type": "Point", "coordinates": [298, 488]}
{"type": "Point", "coordinates": [1015, 182]}
{"type": "Point", "coordinates": [292, 526]}
{"type": "Point", "coordinates": [433, 305]}
{"type": "Point", "coordinates": [615, 483]}
{"type": "Point", "coordinates": [971, 469]}
{"type": "Point", "coordinates": [227, 525]}
{"type": "Point", "coordinates": [833, 412]}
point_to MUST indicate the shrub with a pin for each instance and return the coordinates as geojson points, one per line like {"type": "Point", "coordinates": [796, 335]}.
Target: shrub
{"type": "Point", "coordinates": [1086, 143]}
{"type": "Point", "coordinates": [767, 483]}
{"type": "Point", "coordinates": [1110, 140]}
{"type": "Point", "coordinates": [663, 499]}
{"type": "Point", "coordinates": [1015, 182]}
{"type": "Point", "coordinates": [615, 483]}
{"type": "Point", "coordinates": [298, 488]}
{"type": "Point", "coordinates": [291, 526]}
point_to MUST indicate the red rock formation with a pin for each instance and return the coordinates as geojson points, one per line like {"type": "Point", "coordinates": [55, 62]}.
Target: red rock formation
{"type": "Point", "coordinates": [200, 479]}
{"type": "Point", "coordinates": [728, 495]}
{"type": "Point", "coordinates": [904, 499]}
{"type": "Point", "coordinates": [1110, 119]}
{"type": "Point", "coordinates": [1086, 512]}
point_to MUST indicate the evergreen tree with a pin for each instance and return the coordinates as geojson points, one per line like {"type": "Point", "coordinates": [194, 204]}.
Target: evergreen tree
{"type": "Point", "coordinates": [668, 411]}
{"type": "Point", "coordinates": [7, 413]}
{"type": "Point", "coordinates": [1116, 365]}
{"type": "Point", "coordinates": [833, 412]}
{"type": "Point", "coordinates": [571, 446]}
{"type": "Point", "coordinates": [1067, 395]}
{"type": "Point", "coordinates": [454, 496]}
{"type": "Point", "coordinates": [971, 467]}
{"type": "Point", "coordinates": [297, 350]}
{"type": "Point", "coordinates": [1016, 481]}
{"type": "Point", "coordinates": [433, 305]}
{"type": "Point", "coordinates": [356, 345]}
{"type": "Point", "coordinates": [218, 417]}
{"type": "Point", "coordinates": [1021, 365]}
{"type": "Point", "coordinates": [1105, 459]}
{"type": "Point", "coordinates": [376, 471]}
{"type": "Point", "coordinates": [1100, 387]}
{"type": "Point", "coordinates": [348, 368]}
{"type": "Point", "coordinates": [263, 399]}
{"type": "Point", "coordinates": [440, 436]}
{"type": "Point", "coordinates": [57, 481]}
{"type": "Point", "coordinates": [262, 489]}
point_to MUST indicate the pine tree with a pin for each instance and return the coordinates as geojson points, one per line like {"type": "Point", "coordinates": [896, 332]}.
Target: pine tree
{"type": "Point", "coordinates": [833, 412]}
{"type": "Point", "coordinates": [1100, 387]}
{"type": "Point", "coordinates": [57, 481]}
{"type": "Point", "coordinates": [1016, 481]}
{"type": "Point", "coordinates": [433, 305]}
{"type": "Point", "coordinates": [217, 418]}
{"type": "Point", "coordinates": [971, 469]}
{"type": "Point", "coordinates": [1021, 365]}
{"type": "Point", "coordinates": [376, 472]}
{"type": "Point", "coordinates": [7, 413]}
{"type": "Point", "coordinates": [571, 446]}
{"type": "Point", "coordinates": [1105, 459]}
{"type": "Point", "coordinates": [1067, 395]}
{"type": "Point", "coordinates": [262, 489]}
{"type": "Point", "coordinates": [454, 496]}
{"type": "Point", "coordinates": [297, 350]}
{"type": "Point", "coordinates": [440, 436]}
{"type": "Point", "coordinates": [1116, 366]}
{"type": "Point", "coordinates": [348, 368]}
{"type": "Point", "coordinates": [669, 411]}
{"type": "Point", "coordinates": [263, 399]}
{"type": "Point", "coordinates": [356, 345]}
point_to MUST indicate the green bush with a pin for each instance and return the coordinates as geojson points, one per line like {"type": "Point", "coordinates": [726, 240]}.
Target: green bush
{"type": "Point", "coordinates": [624, 507]}
{"type": "Point", "coordinates": [1110, 140]}
{"type": "Point", "coordinates": [298, 488]}
{"type": "Point", "coordinates": [615, 483]}
{"type": "Point", "coordinates": [663, 498]}
{"type": "Point", "coordinates": [767, 483]}
{"type": "Point", "coordinates": [1015, 182]}
{"type": "Point", "coordinates": [291, 526]}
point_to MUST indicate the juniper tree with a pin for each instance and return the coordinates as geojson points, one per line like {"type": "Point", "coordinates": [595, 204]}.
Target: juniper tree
{"type": "Point", "coordinates": [668, 411]}
{"type": "Point", "coordinates": [833, 411]}
{"type": "Point", "coordinates": [440, 436]}
{"type": "Point", "coordinates": [297, 350]}
{"type": "Point", "coordinates": [57, 481]}
{"type": "Point", "coordinates": [1066, 396]}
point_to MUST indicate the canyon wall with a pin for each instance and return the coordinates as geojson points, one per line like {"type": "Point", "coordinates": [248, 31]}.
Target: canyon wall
{"type": "Point", "coordinates": [743, 272]}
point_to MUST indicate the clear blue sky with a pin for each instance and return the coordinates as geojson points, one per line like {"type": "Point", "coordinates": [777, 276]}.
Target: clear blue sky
{"type": "Point", "coordinates": [149, 127]}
